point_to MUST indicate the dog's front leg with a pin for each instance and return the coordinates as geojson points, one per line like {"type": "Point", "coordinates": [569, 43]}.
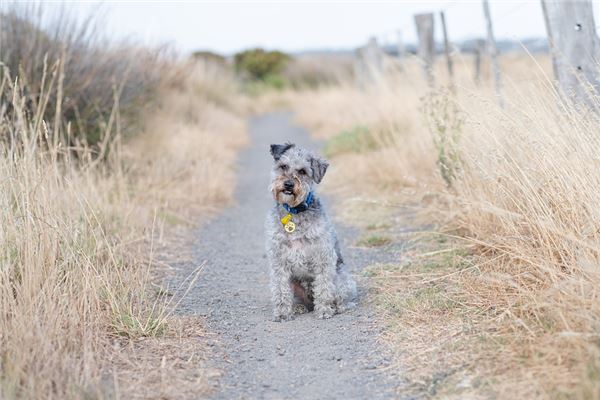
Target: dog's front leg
{"type": "Point", "coordinates": [282, 294]}
{"type": "Point", "coordinates": [324, 292]}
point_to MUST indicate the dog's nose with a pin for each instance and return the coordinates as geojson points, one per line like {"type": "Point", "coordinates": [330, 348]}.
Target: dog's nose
{"type": "Point", "coordinates": [288, 185]}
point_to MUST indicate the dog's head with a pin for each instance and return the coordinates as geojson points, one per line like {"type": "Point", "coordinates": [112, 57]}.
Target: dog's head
{"type": "Point", "coordinates": [295, 173]}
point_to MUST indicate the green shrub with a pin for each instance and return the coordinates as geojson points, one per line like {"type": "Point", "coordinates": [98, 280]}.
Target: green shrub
{"type": "Point", "coordinates": [270, 82]}
{"type": "Point", "coordinates": [275, 81]}
{"type": "Point", "coordinates": [258, 64]}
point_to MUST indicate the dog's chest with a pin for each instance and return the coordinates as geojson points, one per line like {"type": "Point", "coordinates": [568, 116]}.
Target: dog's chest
{"type": "Point", "coordinates": [300, 250]}
{"type": "Point", "coordinates": [300, 253]}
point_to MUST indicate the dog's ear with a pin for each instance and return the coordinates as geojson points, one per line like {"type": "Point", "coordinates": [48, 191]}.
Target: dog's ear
{"type": "Point", "coordinates": [277, 150]}
{"type": "Point", "coordinates": [319, 167]}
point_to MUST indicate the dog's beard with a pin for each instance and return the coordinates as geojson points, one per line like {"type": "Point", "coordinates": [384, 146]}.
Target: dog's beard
{"type": "Point", "coordinates": [286, 198]}
{"type": "Point", "coordinates": [293, 198]}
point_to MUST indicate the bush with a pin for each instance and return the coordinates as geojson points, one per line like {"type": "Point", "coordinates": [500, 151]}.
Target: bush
{"type": "Point", "coordinates": [95, 76]}
{"type": "Point", "coordinates": [259, 64]}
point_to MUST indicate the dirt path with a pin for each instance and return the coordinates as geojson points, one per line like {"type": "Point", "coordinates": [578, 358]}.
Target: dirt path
{"type": "Point", "coordinates": [305, 358]}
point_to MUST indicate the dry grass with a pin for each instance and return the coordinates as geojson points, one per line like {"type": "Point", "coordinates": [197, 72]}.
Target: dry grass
{"type": "Point", "coordinates": [181, 168]}
{"type": "Point", "coordinates": [183, 158]}
{"type": "Point", "coordinates": [313, 70]}
{"type": "Point", "coordinates": [173, 366]}
{"type": "Point", "coordinates": [78, 235]}
{"type": "Point", "coordinates": [103, 149]}
{"type": "Point", "coordinates": [513, 311]}
{"type": "Point", "coordinates": [395, 155]}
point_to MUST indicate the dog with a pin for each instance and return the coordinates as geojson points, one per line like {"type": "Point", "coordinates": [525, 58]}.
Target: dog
{"type": "Point", "coordinates": [306, 264]}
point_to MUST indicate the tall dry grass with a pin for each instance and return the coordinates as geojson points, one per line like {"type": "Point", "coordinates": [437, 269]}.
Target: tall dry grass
{"type": "Point", "coordinates": [184, 154]}
{"type": "Point", "coordinates": [525, 191]}
{"type": "Point", "coordinates": [387, 113]}
{"type": "Point", "coordinates": [80, 224]}
{"type": "Point", "coordinates": [67, 277]}
{"type": "Point", "coordinates": [512, 191]}
{"type": "Point", "coordinates": [314, 70]}
{"type": "Point", "coordinates": [77, 237]}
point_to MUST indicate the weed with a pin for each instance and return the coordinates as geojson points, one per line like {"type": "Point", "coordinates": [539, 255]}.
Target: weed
{"type": "Point", "coordinates": [445, 124]}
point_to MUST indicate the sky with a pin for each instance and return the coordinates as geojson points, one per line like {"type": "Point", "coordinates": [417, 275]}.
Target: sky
{"type": "Point", "coordinates": [229, 26]}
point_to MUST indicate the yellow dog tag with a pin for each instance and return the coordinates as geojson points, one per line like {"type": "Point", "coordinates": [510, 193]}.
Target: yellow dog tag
{"type": "Point", "coordinates": [290, 227]}
{"type": "Point", "coordinates": [288, 224]}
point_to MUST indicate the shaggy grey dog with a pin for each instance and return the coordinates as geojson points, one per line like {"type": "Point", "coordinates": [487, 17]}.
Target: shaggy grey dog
{"type": "Point", "coordinates": [307, 268]}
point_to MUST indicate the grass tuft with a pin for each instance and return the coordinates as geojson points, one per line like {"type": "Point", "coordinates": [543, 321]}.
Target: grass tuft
{"type": "Point", "coordinates": [373, 240]}
{"type": "Point", "coordinates": [355, 140]}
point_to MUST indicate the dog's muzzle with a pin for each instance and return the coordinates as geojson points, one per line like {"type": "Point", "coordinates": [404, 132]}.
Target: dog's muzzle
{"type": "Point", "coordinates": [288, 187]}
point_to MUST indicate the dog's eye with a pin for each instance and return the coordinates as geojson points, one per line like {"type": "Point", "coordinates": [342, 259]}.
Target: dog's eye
{"type": "Point", "coordinates": [302, 171]}
{"type": "Point", "coordinates": [283, 167]}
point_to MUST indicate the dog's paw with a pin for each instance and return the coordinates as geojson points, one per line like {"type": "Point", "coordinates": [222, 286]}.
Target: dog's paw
{"type": "Point", "coordinates": [282, 317]}
{"type": "Point", "coordinates": [300, 309]}
{"type": "Point", "coordinates": [346, 307]}
{"type": "Point", "coordinates": [325, 313]}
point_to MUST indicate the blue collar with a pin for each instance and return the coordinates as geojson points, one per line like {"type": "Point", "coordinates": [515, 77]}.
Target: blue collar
{"type": "Point", "coordinates": [301, 207]}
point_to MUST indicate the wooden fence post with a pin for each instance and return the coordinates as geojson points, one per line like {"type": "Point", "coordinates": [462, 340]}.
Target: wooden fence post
{"type": "Point", "coordinates": [374, 57]}
{"type": "Point", "coordinates": [447, 49]}
{"type": "Point", "coordinates": [479, 50]}
{"type": "Point", "coordinates": [401, 48]}
{"type": "Point", "coordinates": [575, 47]}
{"type": "Point", "coordinates": [368, 63]}
{"type": "Point", "coordinates": [493, 50]}
{"type": "Point", "coordinates": [360, 72]}
{"type": "Point", "coordinates": [425, 25]}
